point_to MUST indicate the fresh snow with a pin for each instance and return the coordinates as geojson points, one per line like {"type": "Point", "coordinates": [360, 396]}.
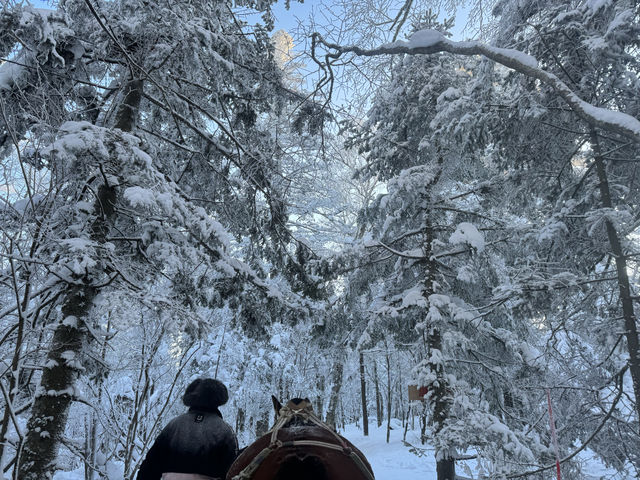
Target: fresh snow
{"type": "Point", "coordinates": [595, 5]}
{"type": "Point", "coordinates": [516, 55]}
{"type": "Point", "coordinates": [414, 296]}
{"type": "Point", "coordinates": [425, 38]}
{"type": "Point", "coordinates": [469, 234]}
{"type": "Point", "coordinates": [612, 116]}
{"type": "Point", "coordinates": [10, 74]}
{"type": "Point", "coordinates": [622, 18]}
{"type": "Point", "coordinates": [393, 460]}
{"type": "Point", "coordinates": [398, 459]}
{"type": "Point", "coordinates": [139, 196]}
{"type": "Point", "coordinates": [428, 38]}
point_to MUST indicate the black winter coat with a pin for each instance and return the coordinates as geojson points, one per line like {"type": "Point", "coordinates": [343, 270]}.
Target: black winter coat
{"type": "Point", "coordinates": [198, 441]}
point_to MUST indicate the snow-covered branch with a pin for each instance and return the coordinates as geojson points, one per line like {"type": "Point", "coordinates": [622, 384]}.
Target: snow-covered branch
{"type": "Point", "coordinates": [426, 42]}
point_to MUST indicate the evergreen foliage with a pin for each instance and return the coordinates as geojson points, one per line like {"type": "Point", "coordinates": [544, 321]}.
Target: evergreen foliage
{"type": "Point", "coordinates": [176, 203]}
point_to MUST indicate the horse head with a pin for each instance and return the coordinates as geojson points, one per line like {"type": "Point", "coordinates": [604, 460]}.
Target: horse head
{"type": "Point", "coordinates": [296, 412]}
{"type": "Point", "coordinates": [293, 404]}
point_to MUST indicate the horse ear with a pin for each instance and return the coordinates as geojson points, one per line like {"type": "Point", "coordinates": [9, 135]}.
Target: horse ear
{"type": "Point", "coordinates": [276, 404]}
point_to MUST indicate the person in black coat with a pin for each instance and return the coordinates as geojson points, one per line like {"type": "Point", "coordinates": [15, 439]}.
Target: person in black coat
{"type": "Point", "coordinates": [198, 442]}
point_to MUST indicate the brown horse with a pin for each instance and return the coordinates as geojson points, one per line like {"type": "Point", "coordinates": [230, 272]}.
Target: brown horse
{"type": "Point", "coordinates": [300, 446]}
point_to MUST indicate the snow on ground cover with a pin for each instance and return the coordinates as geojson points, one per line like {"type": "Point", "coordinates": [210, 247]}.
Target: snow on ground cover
{"type": "Point", "coordinates": [395, 461]}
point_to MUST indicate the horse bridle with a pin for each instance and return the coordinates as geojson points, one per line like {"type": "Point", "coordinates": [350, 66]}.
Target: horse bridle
{"type": "Point", "coordinates": [304, 411]}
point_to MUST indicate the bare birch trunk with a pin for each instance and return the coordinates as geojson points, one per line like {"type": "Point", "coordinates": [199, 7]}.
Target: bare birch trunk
{"type": "Point", "coordinates": [338, 369]}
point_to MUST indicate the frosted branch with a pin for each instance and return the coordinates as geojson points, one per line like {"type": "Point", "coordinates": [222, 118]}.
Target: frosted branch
{"type": "Point", "coordinates": [425, 42]}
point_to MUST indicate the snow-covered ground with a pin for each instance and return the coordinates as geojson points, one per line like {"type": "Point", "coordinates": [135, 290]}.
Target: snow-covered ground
{"type": "Point", "coordinates": [393, 460]}
{"type": "Point", "coordinates": [396, 460]}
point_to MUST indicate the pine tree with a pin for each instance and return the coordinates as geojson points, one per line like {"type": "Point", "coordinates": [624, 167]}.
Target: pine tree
{"type": "Point", "coordinates": [431, 247]}
{"type": "Point", "coordinates": [582, 183]}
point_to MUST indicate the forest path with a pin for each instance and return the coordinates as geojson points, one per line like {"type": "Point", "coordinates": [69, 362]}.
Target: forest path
{"type": "Point", "coordinates": [393, 460]}
{"type": "Point", "coordinates": [396, 461]}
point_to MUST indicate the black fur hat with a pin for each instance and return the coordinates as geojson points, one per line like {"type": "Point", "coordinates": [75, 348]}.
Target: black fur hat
{"type": "Point", "coordinates": [205, 393]}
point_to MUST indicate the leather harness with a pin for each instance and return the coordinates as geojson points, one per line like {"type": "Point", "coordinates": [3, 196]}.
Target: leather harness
{"type": "Point", "coordinates": [303, 412]}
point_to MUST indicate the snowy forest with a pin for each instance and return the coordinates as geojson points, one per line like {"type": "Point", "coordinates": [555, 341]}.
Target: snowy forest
{"type": "Point", "coordinates": [373, 198]}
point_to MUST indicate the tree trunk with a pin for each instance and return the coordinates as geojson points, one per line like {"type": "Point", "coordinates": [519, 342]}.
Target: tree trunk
{"type": "Point", "coordinates": [48, 420]}
{"type": "Point", "coordinates": [14, 372]}
{"type": "Point", "coordinates": [400, 404]}
{"type": "Point", "coordinates": [336, 386]}
{"type": "Point", "coordinates": [51, 406]}
{"type": "Point", "coordinates": [92, 441]}
{"type": "Point", "coordinates": [446, 469]}
{"type": "Point", "coordinates": [624, 288]}
{"type": "Point", "coordinates": [140, 404]}
{"type": "Point", "coordinates": [379, 411]}
{"type": "Point", "coordinates": [388, 358]}
{"type": "Point", "coordinates": [240, 421]}
{"type": "Point", "coordinates": [439, 396]}
{"type": "Point", "coordinates": [319, 401]}
{"type": "Point", "coordinates": [438, 389]}
{"type": "Point", "coordinates": [363, 397]}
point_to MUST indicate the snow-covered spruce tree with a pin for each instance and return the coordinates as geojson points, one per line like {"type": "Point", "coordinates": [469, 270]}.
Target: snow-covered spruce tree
{"type": "Point", "coordinates": [577, 188]}
{"type": "Point", "coordinates": [606, 110]}
{"type": "Point", "coordinates": [429, 255]}
{"type": "Point", "coordinates": [143, 118]}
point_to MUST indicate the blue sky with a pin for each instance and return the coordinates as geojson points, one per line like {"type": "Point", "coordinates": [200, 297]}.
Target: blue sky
{"type": "Point", "coordinates": [288, 19]}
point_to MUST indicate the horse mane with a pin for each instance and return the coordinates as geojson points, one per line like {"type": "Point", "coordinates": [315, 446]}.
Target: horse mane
{"type": "Point", "coordinates": [295, 467]}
